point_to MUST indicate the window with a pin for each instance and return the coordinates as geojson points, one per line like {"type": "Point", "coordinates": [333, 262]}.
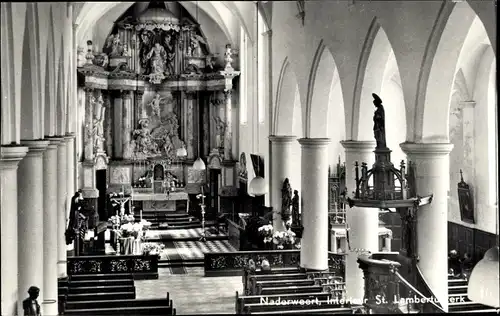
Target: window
{"type": "Point", "coordinates": [261, 63]}
{"type": "Point", "coordinates": [243, 77]}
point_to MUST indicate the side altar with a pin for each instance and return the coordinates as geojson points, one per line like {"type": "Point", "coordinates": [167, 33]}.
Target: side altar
{"type": "Point", "coordinates": [154, 100]}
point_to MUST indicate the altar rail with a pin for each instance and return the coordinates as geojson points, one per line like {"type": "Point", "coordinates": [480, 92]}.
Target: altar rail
{"type": "Point", "coordinates": [141, 267]}
{"type": "Point", "coordinates": [232, 263]}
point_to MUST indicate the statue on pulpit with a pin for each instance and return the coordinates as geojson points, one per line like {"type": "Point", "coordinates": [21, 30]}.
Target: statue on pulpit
{"type": "Point", "coordinates": [116, 45]}
{"type": "Point", "coordinates": [194, 48]}
{"type": "Point", "coordinates": [286, 200]}
{"type": "Point", "coordinates": [379, 122]}
{"type": "Point", "coordinates": [157, 57]}
{"type": "Point", "coordinates": [220, 127]}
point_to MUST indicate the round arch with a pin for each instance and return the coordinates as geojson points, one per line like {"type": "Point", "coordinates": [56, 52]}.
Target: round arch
{"type": "Point", "coordinates": [455, 22]}
{"type": "Point", "coordinates": [320, 99]}
{"type": "Point", "coordinates": [286, 102]}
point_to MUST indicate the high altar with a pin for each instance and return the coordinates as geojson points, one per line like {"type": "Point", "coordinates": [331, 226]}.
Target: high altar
{"type": "Point", "coordinates": [154, 99]}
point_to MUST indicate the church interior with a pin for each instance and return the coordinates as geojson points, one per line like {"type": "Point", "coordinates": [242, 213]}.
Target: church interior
{"type": "Point", "coordinates": [249, 157]}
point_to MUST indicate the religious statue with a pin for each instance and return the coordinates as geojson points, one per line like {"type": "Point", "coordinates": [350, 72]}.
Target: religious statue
{"type": "Point", "coordinates": [125, 52]}
{"type": "Point", "coordinates": [168, 147]}
{"type": "Point", "coordinates": [379, 122]}
{"type": "Point", "coordinates": [143, 140]}
{"type": "Point", "coordinates": [209, 65]}
{"type": "Point", "coordinates": [144, 50]}
{"type": "Point", "coordinates": [286, 200]}
{"type": "Point", "coordinates": [155, 105]}
{"type": "Point", "coordinates": [227, 57]}
{"type": "Point", "coordinates": [194, 47]}
{"type": "Point", "coordinates": [30, 305]}
{"type": "Point", "coordinates": [116, 48]}
{"type": "Point", "coordinates": [74, 207]}
{"type": "Point", "coordinates": [295, 209]}
{"type": "Point", "coordinates": [98, 129]}
{"type": "Point", "coordinates": [157, 56]}
{"type": "Point", "coordinates": [169, 48]}
{"type": "Point", "coordinates": [81, 59]}
{"type": "Point", "coordinates": [220, 127]}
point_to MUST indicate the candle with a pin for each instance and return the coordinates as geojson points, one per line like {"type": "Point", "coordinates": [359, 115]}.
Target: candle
{"type": "Point", "coordinates": [141, 215]}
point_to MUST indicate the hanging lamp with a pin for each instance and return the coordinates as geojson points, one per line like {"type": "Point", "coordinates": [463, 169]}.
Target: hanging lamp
{"type": "Point", "coordinates": [258, 186]}
{"type": "Point", "coordinates": [484, 284]}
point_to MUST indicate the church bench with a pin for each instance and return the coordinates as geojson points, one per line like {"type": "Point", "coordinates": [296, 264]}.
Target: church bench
{"type": "Point", "coordinates": [101, 289]}
{"type": "Point", "coordinates": [112, 282]}
{"type": "Point", "coordinates": [147, 310]}
{"type": "Point", "coordinates": [241, 301]}
{"type": "Point", "coordinates": [288, 289]}
{"type": "Point", "coordinates": [256, 285]}
{"type": "Point", "coordinates": [295, 304]}
{"type": "Point", "coordinates": [101, 296]}
{"type": "Point", "coordinates": [339, 311]}
{"type": "Point", "coordinates": [253, 278]}
{"type": "Point", "coordinates": [108, 276]}
{"type": "Point", "coordinates": [120, 303]}
{"type": "Point", "coordinates": [247, 274]}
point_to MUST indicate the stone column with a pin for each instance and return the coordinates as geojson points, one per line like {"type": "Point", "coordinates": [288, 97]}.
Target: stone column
{"type": "Point", "coordinates": [89, 123]}
{"type": "Point", "coordinates": [30, 218]}
{"type": "Point", "coordinates": [362, 222]}
{"type": "Point", "coordinates": [190, 99]}
{"type": "Point", "coordinates": [9, 161]}
{"type": "Point", "coordinates": [50, 170]}
{"type": "Point", "coordinates": [62, 191]}
{"type": "Point", "coordinates": [281, 166]}
{"type": "Point", "coordinates": [118, 126]}
{"type": "Point", "coordinates": [70, 152]}
{"type": "Point", "coordinates": [432, 167]}
{"type": "Point", "coordinates": [140, 105]}
{"type": "Point", "coordinates": [314, 198]}
{"type": "Point", "coordinates": [127, 123]}
{"type": "Point", "coordinates": [228, 133]}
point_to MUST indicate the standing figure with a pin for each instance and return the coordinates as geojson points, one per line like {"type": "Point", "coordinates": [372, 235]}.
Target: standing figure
{"type": "Point", "coordinates": [379, 122]}
{"type": "Point", "coordinates": [295, 209]}
{"type": "Point", "coordinates": [98, 128]}
{"type": "Point", "coordinates": [155, 105]}
{"type": "Point", "coordinates": [286, 200]}
{"type": "Point", "coordinates": [116, 46]}
{"type": "Point", "coordinates": [220, 127]}
{"type": "Point", "coordinates": [30, 305]}
{"type": "Point", "coordinates": [157, 55]}
{"type": "Point", "coordinates": [169, 49]}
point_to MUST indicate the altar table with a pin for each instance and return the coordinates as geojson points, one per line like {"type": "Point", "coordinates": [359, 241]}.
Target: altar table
{"type": "Point", "coordinates": [160, 201]}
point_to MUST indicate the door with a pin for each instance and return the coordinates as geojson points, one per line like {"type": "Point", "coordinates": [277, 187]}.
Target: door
{"type": "Point", "coordinates": [101, 183]}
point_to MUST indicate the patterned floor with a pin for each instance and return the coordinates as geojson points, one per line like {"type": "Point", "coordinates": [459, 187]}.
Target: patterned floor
{"type": "Point", "coordinates": [179, 233]}
{"type": "Point", "coordinates": [192, 293]}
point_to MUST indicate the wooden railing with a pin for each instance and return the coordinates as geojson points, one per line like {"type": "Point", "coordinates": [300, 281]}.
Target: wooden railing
{"type": "Point", "coordinates": [139, 266]}
{"type": "Point", "coordinates": [425, 304]}
{"type": "Point", "coordinates": [233, 263]}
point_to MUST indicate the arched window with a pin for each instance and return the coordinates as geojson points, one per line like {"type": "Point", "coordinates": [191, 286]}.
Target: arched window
{"type": "Point", "coordinates": [243, 77]}
{"type": "Point", "coordinates": [261, 68]}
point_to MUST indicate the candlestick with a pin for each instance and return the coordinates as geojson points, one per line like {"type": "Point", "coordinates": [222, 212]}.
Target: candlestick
{"type": "Point", "coordinates": [141, 215]}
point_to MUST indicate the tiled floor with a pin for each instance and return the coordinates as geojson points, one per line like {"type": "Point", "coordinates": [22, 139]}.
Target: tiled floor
{"type": "Point", "coordinates": [192, 293]}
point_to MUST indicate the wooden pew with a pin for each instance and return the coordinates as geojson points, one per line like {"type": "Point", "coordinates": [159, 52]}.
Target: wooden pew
{"type": "Point", "coordinates": [241, 301]}
{"type": "Point", "coordinates": [253, 278]}
{"type": "Point", "coordinates": [295, 305]}
{"type": "Point", "coordinates": [258, 286]}
{"type": "Point", "coordinates": [247, 274]}
{"type": "Point", "coordinates": [288, 289]}
{"type": "Point", "coordinates": [122, 307]}
{"type": "Point", "coordinates": [338, 311]}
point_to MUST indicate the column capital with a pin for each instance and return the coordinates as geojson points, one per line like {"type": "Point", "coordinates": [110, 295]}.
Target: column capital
{"type": "Point", "coordinates": [314, 142]}
{"type": "Point", "coordinates": [11, 155]}
{"type": "Point", "coordinates": [268, 33]}
{"type": "Point", "coordinates": [281, 139]}
{"type": "Point", "coordinates": [427, 150]}
{"type": "Point", "coordinates": [467, 104]}
{"type": "Point", "coordinates": [36, 147]}
{"type": "Point", "coordinates": [358, 146]}
{"type": "Point", "coordinates": [126, 95]}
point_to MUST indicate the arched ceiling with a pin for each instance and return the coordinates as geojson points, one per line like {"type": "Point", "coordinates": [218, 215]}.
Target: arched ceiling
{"type": "Point", "coordinates": [228, 15]}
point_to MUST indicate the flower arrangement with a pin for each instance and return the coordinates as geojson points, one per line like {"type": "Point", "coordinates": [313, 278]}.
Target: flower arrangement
{"type": "Point", "coordinates": [266, 231]}
{"type": "Point", "coordinates": [282, 238]}
{"type": "Point", "coordinates": [114, 220]}
{"type": "Point", "coordinates": [130, 230]}
{"type": "Point", "coordinates": [152, 249]}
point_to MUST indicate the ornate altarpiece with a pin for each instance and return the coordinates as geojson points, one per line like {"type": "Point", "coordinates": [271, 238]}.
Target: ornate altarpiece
{"type": "Point", "coordinates": [152, 92]}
